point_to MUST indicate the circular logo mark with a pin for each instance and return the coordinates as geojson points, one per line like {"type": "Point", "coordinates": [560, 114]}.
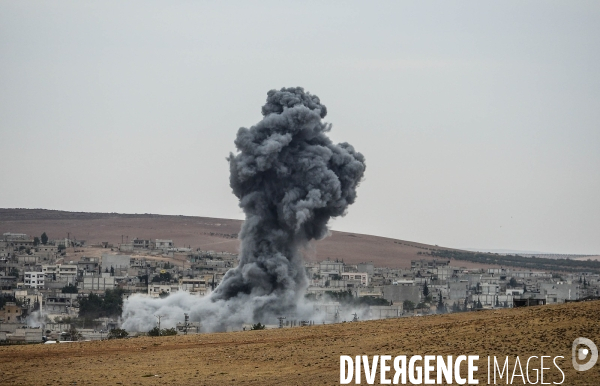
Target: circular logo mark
{"type": "Point", "coordinates": [582, 353]}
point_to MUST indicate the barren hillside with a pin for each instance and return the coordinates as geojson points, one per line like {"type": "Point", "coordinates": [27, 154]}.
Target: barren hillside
{"type": "Point", "coordinates": [311, 355]}
{"type": "Point", "coordinates": [202, 232]}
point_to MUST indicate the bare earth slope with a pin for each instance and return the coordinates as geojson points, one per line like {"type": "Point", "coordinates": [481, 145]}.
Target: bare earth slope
{"type": "Point", "coordinates": [202, 232]}
{"type": "Point", "coordinates": [311, 355]}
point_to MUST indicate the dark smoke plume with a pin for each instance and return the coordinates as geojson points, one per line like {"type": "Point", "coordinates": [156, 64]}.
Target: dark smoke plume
{"type": "Point", "coordinates": [290, 179]}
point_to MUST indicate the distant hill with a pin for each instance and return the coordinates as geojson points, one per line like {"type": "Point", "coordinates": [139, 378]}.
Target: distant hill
{"type": "Point", "coordinates": [206, 233]}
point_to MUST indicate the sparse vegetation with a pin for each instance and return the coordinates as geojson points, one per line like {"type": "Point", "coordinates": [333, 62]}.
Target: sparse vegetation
{"type": "Point", "coordinates": [258, 326]}
{"type": "Point", "coordinates": [69, 289]}
{"type": "Point", "coordinates": [162, 332]}
{"type": "Point", "coordinates": [117, 333]}
{"type": "Point", "coordinates": [95, 306]}
{"type": "Point", "coordinates": [407, 305]}
{"type": "Point", "coordinates": [162, 277]}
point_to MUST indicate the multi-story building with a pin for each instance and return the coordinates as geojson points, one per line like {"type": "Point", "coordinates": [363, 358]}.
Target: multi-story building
{"type": "Point", "coordinates": [34, 280]}
{"type": "Point", "coordinates": [155, 290]}
{"type": "Point", "coordinates": [363, 277]}
{"type": "Point", "coordinates": [194, 286]}
{"type": "Point", "coordinates": [11, 313]}
{"type": "Point", "coordinates": [141, 244]}
{"type": "Point", "coordinates": [97, 283]}
{"type": "Point", "coordinates": [329, 267]}
{"type": "Point", "coordinates": [163, 244]}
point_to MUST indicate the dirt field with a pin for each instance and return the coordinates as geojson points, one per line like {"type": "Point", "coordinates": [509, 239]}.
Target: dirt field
{"type": "Point", "coordinates": [196, 232]}
{"type": "Point", "coordinates": [311, 355]}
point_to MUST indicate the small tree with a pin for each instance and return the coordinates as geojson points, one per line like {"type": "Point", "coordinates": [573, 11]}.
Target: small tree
{"type": "Point", "coordinates": [117, 333]}
{"type": "Point", "coordinates": [513, 282]}
{"type": "Point", "coordinates": [425, 289]}
{"type": "Point", "coordinates": [408, 305]}
{"type": "Point", "coordinates": [455, 307]}
{"type": "Point", "coordinates": [69, 289]}
{"type": "Point", "coordinates": [36, 241]}
{"type": "Point", "coordinates": [479, 305]}
{"type": "Point", "coordinates": [440, 306]}
{"type": "Point", "coordinates": [163, 276]}
{"type": "Point", "coordinates": [72, 334]}
{"type": "Point", "coordinates": [44, 238]}
{"type": "Point", "coordinates": [143, 278]}
{"type": "Point", "coordinates": [258, 326]}
{"type": "Point", "coordinates": [162, 332]}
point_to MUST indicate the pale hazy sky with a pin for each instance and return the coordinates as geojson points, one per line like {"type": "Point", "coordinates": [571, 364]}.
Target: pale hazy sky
{"type": "Point", "coordinates": [480, 121]}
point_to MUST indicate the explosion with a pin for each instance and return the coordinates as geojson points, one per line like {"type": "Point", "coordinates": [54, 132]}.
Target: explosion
{"type": "Point", "coordinates": [290, 179]}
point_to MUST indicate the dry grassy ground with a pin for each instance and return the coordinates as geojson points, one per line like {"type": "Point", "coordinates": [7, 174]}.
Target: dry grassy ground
{"type": "Point", "coordinates": [310, 355]}
{"type": "Point", "coordinates": [196, 232]}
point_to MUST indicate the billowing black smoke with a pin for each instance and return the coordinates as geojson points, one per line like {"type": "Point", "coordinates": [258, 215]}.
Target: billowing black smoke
{"type": "Point", "coordinates": [290, 179]}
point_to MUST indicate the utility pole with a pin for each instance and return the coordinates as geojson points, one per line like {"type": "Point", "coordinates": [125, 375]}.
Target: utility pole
{"type": "Point", "coordinates": [158, 317]}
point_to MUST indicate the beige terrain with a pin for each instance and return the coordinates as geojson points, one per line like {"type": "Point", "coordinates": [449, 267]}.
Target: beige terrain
{"type": "Point", "coordinates": [311, 355]}
{"type": "Point", "coordinates": [206, 233]}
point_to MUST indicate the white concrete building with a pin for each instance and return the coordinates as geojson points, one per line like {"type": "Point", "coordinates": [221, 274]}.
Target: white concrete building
{"type": "Point", "coordinates": [34, 280]}
{"type": "Point", "coordinates": [67, 271]}
{"type": "Point", "coordinates": [363, 277]}
{"type": "Point", "coordinates": [155, 290]}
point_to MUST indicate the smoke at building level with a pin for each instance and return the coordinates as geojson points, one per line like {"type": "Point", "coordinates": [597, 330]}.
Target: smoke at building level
{"type": "Point", "coordinates": [290, 180]}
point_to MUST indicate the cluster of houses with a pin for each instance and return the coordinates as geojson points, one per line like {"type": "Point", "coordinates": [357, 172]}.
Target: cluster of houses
{"type": "Point", "coordinates": [41, 292]}
{"type": "Point", "coordinates": [40, 289]}
{"type": "Point", "coordinates": [436, 286]}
